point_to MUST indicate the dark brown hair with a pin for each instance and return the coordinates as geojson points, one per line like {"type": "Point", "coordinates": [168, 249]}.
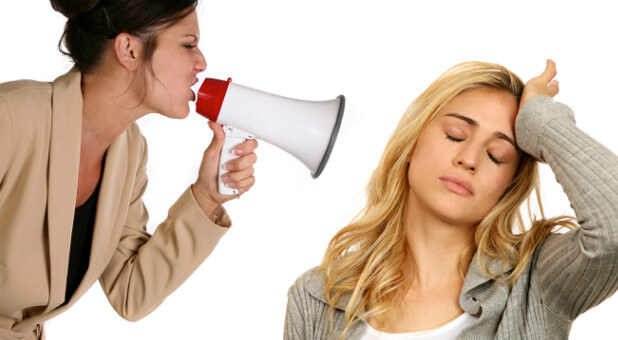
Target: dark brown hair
{"type": "Point", "coordinates": [92, 24]}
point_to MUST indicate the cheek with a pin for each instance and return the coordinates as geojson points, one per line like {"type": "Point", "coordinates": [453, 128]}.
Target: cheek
{"type": "Point", "coordinates": [427, 157]}
{"type": "Point", "coordinates": [496, 186]}
{"type": "Point", "coordinates": [429, 148]}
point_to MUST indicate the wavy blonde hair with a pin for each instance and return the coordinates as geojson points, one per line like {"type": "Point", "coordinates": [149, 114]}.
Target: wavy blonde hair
{"type": "Point", "coordinates": [365, 260]}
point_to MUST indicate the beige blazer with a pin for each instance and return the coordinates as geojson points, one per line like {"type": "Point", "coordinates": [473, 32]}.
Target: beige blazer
{"type": "Point", "coordinates": [40, 134]}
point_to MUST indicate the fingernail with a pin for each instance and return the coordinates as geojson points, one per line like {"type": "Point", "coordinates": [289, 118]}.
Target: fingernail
{"type": "Point", "coordinates": [231, 185]}
{"type": "Point", "coordinates": [229, 166]}
{"type": "Point", "coordinates": [238, 151]}
{"type": "Point", "coordinates": [225, 179]}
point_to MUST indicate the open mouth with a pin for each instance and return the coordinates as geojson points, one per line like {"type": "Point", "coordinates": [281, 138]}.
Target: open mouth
{"type": "Point", "coordinates": [193, 95]}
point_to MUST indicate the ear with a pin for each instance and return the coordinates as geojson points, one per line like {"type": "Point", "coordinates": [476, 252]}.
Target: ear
{"type": "Point", "coordinates": [127, 49]}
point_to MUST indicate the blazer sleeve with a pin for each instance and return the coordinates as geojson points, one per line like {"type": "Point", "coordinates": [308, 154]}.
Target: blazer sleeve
{"type": "Point", "coordinates": [574, 271]}
{"type": "Point", "coordinates": [6, 139]}
{"type": "Point", "coordinates": [145, 269]}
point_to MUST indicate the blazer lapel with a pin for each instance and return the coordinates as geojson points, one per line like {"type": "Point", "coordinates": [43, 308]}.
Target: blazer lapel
{"type": "Point", "coordinates": [65, 144]}
{"type": "Point", "coordinates": [65, 148]}
{"type": "Point", "coordinates": [109, 217]}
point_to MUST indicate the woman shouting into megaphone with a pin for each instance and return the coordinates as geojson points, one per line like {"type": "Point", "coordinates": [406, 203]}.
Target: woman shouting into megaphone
{"type": "Point", "coordinates": [73, 168]}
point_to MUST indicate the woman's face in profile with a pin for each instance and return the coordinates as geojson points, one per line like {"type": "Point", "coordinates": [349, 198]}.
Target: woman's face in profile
{"type": "Point", "coordinates": [466, 157]}
{"type": "Point", "coordinates": [176, 62]}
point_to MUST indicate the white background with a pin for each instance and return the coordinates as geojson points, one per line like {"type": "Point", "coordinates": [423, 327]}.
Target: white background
{"type": "Point", "coordinates": [381, 55]}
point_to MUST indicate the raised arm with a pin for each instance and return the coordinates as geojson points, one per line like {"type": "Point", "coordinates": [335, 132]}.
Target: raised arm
{"type": "Point", "coordinates": [576, 270]}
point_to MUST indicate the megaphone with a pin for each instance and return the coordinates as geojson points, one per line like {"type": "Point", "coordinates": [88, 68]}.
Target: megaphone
{"type": "Point", "coordinates": [305, 129]}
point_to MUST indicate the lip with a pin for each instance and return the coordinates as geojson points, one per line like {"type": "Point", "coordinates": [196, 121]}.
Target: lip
{"type": "Point", "coordinates": [193, 95]}
{"type": "Point", "coordinates": [457, 185]}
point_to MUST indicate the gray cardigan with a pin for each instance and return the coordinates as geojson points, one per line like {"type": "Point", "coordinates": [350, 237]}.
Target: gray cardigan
{"type": "Point", "coordinates": [567, 274]}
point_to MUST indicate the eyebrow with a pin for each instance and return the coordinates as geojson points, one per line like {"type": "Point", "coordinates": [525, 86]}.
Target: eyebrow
{"type": "Point", "coordinates": [474, 123]}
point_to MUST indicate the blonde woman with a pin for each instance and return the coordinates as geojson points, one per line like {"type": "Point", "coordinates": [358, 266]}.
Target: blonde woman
{"type": "Point", "coordinates": [440, 250]}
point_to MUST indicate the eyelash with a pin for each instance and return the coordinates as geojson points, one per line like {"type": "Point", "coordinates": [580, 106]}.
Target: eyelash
{"type": "Point", "coordinates": [188, 46]}
{"type": "Point", "coordinates": [457, 140]}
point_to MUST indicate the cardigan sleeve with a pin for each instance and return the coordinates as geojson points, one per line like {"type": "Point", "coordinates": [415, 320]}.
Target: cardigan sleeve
{"type": "Point", "coordinates": [578, 269]}
{"type": "Point", "coordinates": [145, 269]}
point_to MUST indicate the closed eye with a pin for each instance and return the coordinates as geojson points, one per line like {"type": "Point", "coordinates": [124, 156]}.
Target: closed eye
{"type": "Point", "coordinates": [454, 139]}
{"type": "Point", "coordinates": [189, 46]}
{"type": "Point", "coordinates": [493, 159]}
{"type": "Point", "coordinates": [457, 140]}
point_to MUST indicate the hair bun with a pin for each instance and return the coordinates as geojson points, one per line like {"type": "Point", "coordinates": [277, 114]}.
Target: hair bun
{"type": "Point", "coordinates": [73, 8]}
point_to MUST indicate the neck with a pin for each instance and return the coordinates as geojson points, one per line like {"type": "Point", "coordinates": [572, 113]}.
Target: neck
{"type": "Point", "coordinates": [436, 247]}
{"type": "Point", "coordinates": [110, 105]}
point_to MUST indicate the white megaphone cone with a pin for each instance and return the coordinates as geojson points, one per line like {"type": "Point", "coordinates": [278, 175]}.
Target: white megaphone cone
{"type": "Point", "coordinates": [305, 129]}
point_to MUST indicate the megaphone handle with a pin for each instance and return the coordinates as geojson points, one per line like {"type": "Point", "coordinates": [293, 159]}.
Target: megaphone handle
{"type": "Point", "coordinates": [233, 137]}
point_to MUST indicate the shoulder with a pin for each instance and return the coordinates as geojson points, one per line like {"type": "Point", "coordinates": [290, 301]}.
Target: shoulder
{"type": "Point", "coordinates": [25, 93]}
{"type": "Point", "coordinates": [23, 99]}
{"type": "Point", "coordinates": [135, 136]}
{"type": "Point", "coordinates": [312, 279]}
{"type": "Point", "coordinates": [137, 147]}
{"type": "Point", "coordinates": [23, 88]}
{"type": "Point", "coordinates": [25, 113]}
{"type": "Point", "coordinates": [306, 304]}
{"type": "Point", "coordinates": [309, 287]}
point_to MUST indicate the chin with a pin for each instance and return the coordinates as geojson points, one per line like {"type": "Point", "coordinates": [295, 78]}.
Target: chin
{"type": "Point", "coordinates": [180, 114]}
{"type": "Point", "coordinates": [461, 220]}
{"type": "Point", "coordinates": [184, 114]}
{"type": "Point", "coordinates": [457, 213]}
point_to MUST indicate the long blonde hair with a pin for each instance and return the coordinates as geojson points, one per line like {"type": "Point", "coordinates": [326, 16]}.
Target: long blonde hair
{"type": "Point", "coordinates": [365, 259]}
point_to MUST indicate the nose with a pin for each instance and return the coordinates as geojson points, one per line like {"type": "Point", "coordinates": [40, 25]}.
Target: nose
{"type": "Point", "coordinates": [467, 158]}
{"type": "Point", "coordinates": [200, 64]}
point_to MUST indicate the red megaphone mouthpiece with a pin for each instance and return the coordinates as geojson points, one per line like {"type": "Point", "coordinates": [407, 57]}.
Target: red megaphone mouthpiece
{"type": "Point", "coordinates": [210, 97]}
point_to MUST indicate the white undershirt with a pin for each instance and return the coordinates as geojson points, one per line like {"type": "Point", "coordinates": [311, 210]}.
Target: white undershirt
{"type": "Point", "coordinates": [449, 331]}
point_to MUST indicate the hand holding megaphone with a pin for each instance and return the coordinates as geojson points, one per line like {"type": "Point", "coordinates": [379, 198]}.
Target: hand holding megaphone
{"type": "Point", "coordinates": [305, 129]}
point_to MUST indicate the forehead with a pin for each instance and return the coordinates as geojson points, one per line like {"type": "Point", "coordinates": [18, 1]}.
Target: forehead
{"type": "Point", "coordinates": [492, 109]}
{"type": "Point", "coordinates": [188, 25]}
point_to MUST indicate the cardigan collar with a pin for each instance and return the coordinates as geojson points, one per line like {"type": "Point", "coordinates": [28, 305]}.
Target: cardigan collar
{"type": "Point", "coordinates": [470, 299]}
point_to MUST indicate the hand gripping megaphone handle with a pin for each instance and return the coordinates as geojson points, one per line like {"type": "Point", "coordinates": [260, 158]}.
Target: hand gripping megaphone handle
{"type": "Point", "coordinates": [305, 129]}
{"type": "Point", "coordinates": [233, 137]}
